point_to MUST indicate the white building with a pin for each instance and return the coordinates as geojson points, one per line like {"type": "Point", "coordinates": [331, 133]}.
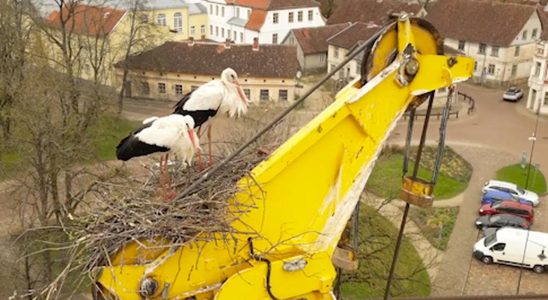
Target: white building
{"type": "Point", "coordinates": [537, 98]}
{"type": "Point", "coordinates": [500, 36]}
{"type": "Point", "coordinates": [342, 43]}
{"type": "Point", "coordinates": [269, 20]}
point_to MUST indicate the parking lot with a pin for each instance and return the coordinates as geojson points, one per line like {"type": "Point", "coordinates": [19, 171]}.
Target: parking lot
{"type": "Point", "coordinates": [495, 135]}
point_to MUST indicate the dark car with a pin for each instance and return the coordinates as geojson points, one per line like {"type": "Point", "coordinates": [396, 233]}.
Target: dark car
{"type": "Point", "coordinates": [508, 207]}
{"type": "Point", "coordinates": [512, 94]}
{"type": "Point", "coordinates": [501, 220]}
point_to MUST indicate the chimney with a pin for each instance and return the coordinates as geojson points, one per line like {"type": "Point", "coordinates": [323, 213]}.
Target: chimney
{"type": "Point", "coordinates": [255, 44]}
{"type": "Point", "coordinates": [191, 41]}
{"type": "Point", "coordinates": [227, 44]}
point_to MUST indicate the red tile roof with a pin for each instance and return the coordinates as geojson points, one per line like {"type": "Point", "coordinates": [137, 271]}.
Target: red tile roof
{"type": "Point", "coordinates": [490, 22]}
{"type": "Point", "coordinates": [376, 11]}
{"type": "Point", "coordinates": [270, 61]}
{"type": "Point", "coordinates": [355, 34]}
{"type": "Point", "coordinates": [256, 20]}
{"type": "Point", "coordinates": [85, 19]}
{"type": "Point", "coordinates": [314, 40]}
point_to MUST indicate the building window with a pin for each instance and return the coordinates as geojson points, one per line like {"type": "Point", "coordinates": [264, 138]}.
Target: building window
{"type": "Point", "coordinates": [237, 12]}
{"type": "Point", "coordinates": [210, 9]}
{"type": "Point", "coordinates": [461, 45]}
{"type": "Point", "coordinates": [241, 37]}
{"type": "Point", "coordinates": [178, 89]}
{"type": "Point", "coordinates": [275, 18]}
{"type": "Point", "coordinates": [524, 35]}
{"type": "Point", "coordinates": [357, 68]}
{"type": "Point", "coordinates": [275, 38]}
{"type": "Point", "coordinates": [300, 16]}
{"type": "Point", "coordinates": [229, 34]}
{"type": "Point", "coordinates": [161, 88]}
{"type": "Point", "coordinates": [336, 53]}
{"type": "Point", "coordinates": [534, 33]}
{"type": "Point", "coordinates": [537, 69]}
{"type": "Point", "coordinates": [264, 95]}
{"type": "Point", "coordinates": [178, 22]}
{"type": "Point", "coordinates": [144, 18]}
{"type": "Point", "coordinates": [211, 29]}
{"type": "Point", "coordinates": [192, 30]}
{"type": "Point", "coordinates": [161, 20]}
{"type": "Point", "coordinates": [282, 95]}
{"type": "Point", "coordinates": [222, 11]}
{"type": "Point", "coordinates": [216, 10]}
{"type": "Point", "coordinates": [310, 15]}
{"type": "Point", "coordinates": [247, 93]}
{"type": "Point", "coordinates": [216, 31]}
{"type": "Point", "coordinates": [534, 97]}
{"type": "Point", "coordinates": [482, 48]}
{"type": "Point", "coordinates": [222, 32]}
{"type": "Point", "coordinates": [475, 65]}
{"type": "Point", "coordinates": [495, 51]}
{"type": "Point", "coordinates": [514, 70]}
{"type": "Point", "coordinates": [202, 29]}
{"type": "Point", "coordinates": [331, 67]}
{"type": "Point", "coordinates": [145, 88]}
{"type": "Point", "coordinates": [545, 99]}
{"type": "Point", "coordinates": [491, 69]}
{"type": "Point", "coordinates": [516, 51]}
{"type": "Point", "coordinates": [248, 13]}
{"type": "Point", "coordinates": [290, 17]}
{"type": "Point", "coordinates": [322, 58]}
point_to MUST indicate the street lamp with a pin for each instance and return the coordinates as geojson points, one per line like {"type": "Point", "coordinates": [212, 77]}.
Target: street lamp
{"type": "Point", "coordinates": [533, 139]}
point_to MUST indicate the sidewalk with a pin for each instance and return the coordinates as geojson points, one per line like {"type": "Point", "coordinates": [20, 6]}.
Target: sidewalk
{"type": "Point", "coordinates": [430, 256]}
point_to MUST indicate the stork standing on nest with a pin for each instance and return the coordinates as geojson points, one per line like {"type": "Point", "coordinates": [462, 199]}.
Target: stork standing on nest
{"type": "Point", "coordinates": [170, 134]}
{"type": "Point", "coordinates": [214, 98]}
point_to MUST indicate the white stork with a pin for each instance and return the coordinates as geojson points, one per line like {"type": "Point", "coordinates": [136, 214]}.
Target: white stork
{"type": "Point", "coordinates": [213, 98]}
{"type": "Point", "coordinates": [170, 134]}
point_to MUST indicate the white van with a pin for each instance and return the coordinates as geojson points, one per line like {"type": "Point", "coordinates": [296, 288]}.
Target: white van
{"type": "Point", "coordinates": [516, 247]}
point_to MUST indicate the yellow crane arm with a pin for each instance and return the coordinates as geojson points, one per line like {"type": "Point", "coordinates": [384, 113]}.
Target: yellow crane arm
{"type": "Point", "coordinates": [303, 194]}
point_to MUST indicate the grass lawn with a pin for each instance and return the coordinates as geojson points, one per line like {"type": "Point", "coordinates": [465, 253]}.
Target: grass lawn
{"type": "Point", "coordinates": [376, 246]}
{"type": "Point", "coordinates": [518, 175]}
{"type": "Point", "coordinates": [109, 132]}
{"type": "Point", "coordinates": [436, 224]}
{"type": "Point", "coordinates": [386, 178]}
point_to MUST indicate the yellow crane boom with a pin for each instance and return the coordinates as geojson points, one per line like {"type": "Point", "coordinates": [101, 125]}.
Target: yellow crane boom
{"type": "Point", "coordinates": [303, 195]}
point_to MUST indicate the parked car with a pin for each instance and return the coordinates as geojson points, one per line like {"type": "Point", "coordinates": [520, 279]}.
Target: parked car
{"type": "Point", "coordinates": [511, 188]}
{"type": "Point", "coordinates": [508, 207]}
{"type": "Point", "coordinates": [501, 220]}
{"type": "Point", "coordinates": [493, 196]}
{"type": "Point", "coordinates": [513, 94]}
{"type": "Point", "coordinates": [512, 246]}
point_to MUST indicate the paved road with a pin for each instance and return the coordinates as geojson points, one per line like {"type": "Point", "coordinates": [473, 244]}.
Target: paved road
{"type": "Point", "coordinates": [495, 135]}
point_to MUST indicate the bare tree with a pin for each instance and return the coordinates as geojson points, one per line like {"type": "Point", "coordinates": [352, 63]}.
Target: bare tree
{"type": "Point", "coordinates": [13, 44]}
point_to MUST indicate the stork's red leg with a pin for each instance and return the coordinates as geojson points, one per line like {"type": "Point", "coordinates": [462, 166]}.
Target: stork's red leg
{"type": "Point", "coordinates": [199, 161]}
{"type": "Point", "coordinates": [165, 180]}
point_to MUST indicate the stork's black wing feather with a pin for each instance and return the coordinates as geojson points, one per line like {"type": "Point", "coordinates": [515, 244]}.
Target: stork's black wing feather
{"type": "Point", "coordinates": [199, 116]}
{"type": "Point", "coordinates": [178, 107]}
{"type": "Point", "coordinates": [131, 146]}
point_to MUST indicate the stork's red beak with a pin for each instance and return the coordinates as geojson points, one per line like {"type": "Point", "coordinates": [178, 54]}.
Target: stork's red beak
{"type": "Point", "coordinates": [192, 136]}
{"type": "Point", "coordinates": [241, 93]}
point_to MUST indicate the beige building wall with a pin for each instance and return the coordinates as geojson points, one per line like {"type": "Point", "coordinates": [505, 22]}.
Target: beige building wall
{"type": "Point", "coordinates": [194, 25]}
{"type": "Point", "coordinates": [172, 86]}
